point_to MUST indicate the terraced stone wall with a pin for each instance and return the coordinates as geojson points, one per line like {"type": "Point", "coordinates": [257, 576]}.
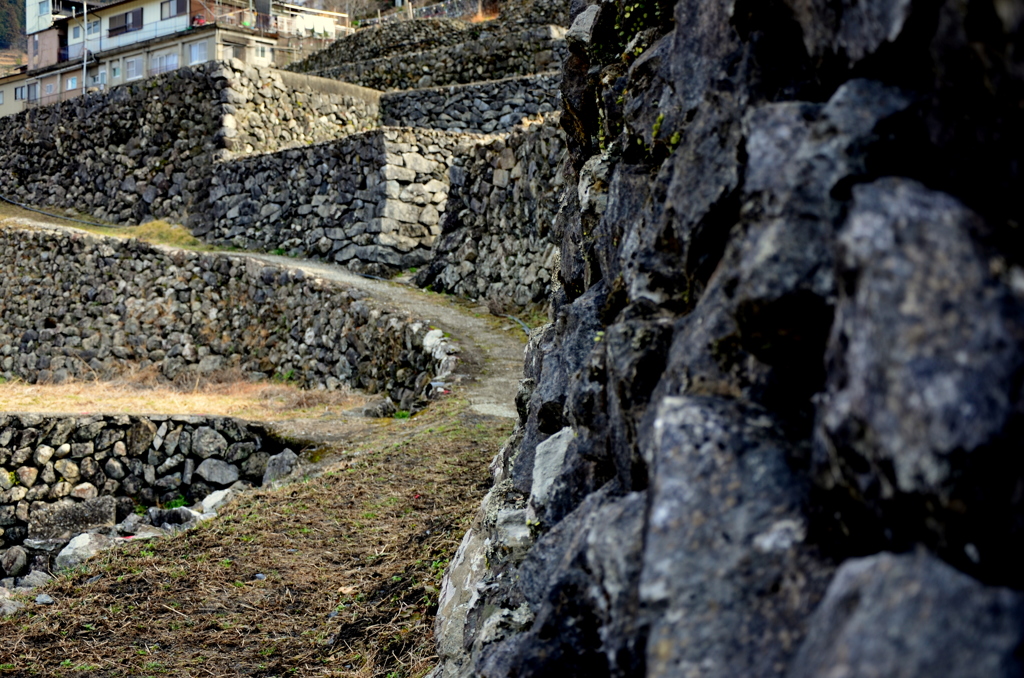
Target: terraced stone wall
{"type": "Point", "coordinates": [492, 56]}
{"type": "Point", "coordinates": [498, 239]}
{"type": "Point", "coordinates": [57, 472]}
{"type": "Point", "coordinates": [483, 107]}
{"type": "Point", "coordinates": [78, 306]}
{"type": "Point", "coordinates": [401, 37]}
{"type": "Point", "coordinates": [146, 149]}
{"type": "Point", "coordinates": [373, 201]}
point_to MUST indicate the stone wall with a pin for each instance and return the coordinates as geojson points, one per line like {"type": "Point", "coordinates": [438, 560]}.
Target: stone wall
{"type": "Point", "coordinates": [388, 39]}
{"type": "Point", "coordinates": [269, 110]}
{"type": "Point", "coordinates": [373, 201]}
{"type": "Point", "coordinates": [79, 306]}
{"type": "Point", "coordinates": [483, 107]}
{"type": "Point", "coordinates": [775, 426]}
{"type": "Point", "coordinates": [498, 240]}
{"type": "Point", "coordinates": [56, 471]}
{"type": "Point", "coordinates": [146, 149]}
{"type": "Point", "coordinates": [137, 150]}
{"type": "Point", "coordinates": [490, 57]}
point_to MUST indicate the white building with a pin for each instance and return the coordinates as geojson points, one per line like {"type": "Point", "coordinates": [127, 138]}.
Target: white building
{"type": "Point", "coordinates": [130, 39]}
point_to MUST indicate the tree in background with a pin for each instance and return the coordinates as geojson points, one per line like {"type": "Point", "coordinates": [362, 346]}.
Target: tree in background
{"type": "Point", "coordinates": [12, 24]}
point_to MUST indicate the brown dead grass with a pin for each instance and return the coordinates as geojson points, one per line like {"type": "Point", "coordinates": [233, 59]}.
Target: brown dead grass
{"type": "Point", "coordinates": [138, 394]}
{"type": "Point", "coordinates": [353, 561]}
{"type": "Point", "coordinates": [480, 17]}
{"type": "Point", "coordinates": [156, 232]}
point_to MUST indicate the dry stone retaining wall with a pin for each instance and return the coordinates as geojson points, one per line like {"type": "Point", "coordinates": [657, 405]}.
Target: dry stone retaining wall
{"type": "Point", "coordinates": [498, 240]}
{"type": "Point", "coordinates": [75, 305]}
{"type": "Point", "coordinates": [400, 37]}
{"type": "Point", "coordinates": [373, 201]}
{"type": "Point", "coordinates": [490, 57]}
{"type": "Point", "coordinates": [145, 149]}
{"type": "Point", "coordinates": [482, 107]}
{"type": "Point", "coordinates": [58, 472]}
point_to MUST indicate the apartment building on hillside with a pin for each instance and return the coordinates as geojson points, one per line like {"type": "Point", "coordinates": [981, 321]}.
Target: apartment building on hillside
{"type": "Point", "coordinates": [77, 46]}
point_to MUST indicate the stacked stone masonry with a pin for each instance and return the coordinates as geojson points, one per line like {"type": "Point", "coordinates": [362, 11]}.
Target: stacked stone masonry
{"type": "Point", "coordinates": [490, 57]}
{"type": "Point", "coordinates": [498, 241]}
{"type": "Point", "coordinates": [57, 470]}
{"type": "Point", "coordinates": [400, 37]}
{"type": "Point", "coordinates": [485, 107]}
{"type": "Point", "coordinates": [373, 201]}
{"type": "Point", "coordinates": [774, 426]}
{"type": "Point", "coordinates": [79, 306]}
{"type": "Point", "coordinates": [145, 149]}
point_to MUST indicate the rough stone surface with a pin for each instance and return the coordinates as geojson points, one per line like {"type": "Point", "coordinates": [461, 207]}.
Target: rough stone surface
{"type": "Point", "coordinates": [498, 241]}
{"type": "Point", "coordinates": [318, 333]}
{"type": "Point", "coordinates": [911, 615]}
{"type": "Point", "coordinates": [55, 515]}
{"type": "Point", "coordinates": [14, 561]}
{"type": "Point", "coordinates": [217, 471]}
{"type": "Point", "coordinates": [279, 465]}
{"type": "Point", "coordinates": [786, 318]}
{"type": "Point", "coordinates": [82, 548]}
{"type": "Point", "coordinates": [65, 519]}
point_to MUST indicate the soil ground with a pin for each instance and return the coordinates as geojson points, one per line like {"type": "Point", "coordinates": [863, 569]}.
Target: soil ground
{"type": "Point", "coordinates": [352, 552]}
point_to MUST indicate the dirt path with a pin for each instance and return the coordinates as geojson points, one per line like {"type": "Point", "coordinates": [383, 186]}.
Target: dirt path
{"type": "Point", "coordinates": [491, 350]}
{"type": "Point", "coordinates": [492, 358]}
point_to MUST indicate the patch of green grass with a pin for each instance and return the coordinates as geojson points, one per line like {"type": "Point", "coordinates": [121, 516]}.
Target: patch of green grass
{"type": "Point", "coordinates": [402, 414]}
{"type": "Point", "coordinates": [176, 503]}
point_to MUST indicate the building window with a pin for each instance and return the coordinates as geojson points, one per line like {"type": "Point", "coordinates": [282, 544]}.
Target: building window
{"type": "Point", "coordinates": [93, 27]}
{"type": "Point", "coordinates": [44, 7]}
{"type": "Point", "coordinates": [49, 88]}
{"type": "Point", "coordinates": [33, 91]}
{"type": "Point", "coordinates": [197, 53]}
{"type": "Point", "coordinates": [100, 78]}
{"type": "Point", "coordinates": [70, 84]}
{"type": "Point", "coordinates": [172, 8]}
{"type": "Point", "coordinates": [262, 52]}
{"type": "Point", "coordinates": [164, 63]}
{"type": "Point", "coordinates": [115, 72]}
{"type": "Point", "coordinates": [133, 68]}
{"type": "Point", "coordinates": [126, 23]}
{"type": "Point", "coordinates": [76, 32]}
{"type": "Point", "coordinates": [1, 97]}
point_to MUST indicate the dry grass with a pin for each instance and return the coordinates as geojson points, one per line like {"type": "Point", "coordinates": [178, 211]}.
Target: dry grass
{"type": "Point", "coordinates": [262, 401]}
{"type": "Point", "coordinates": [353, 560]}
{"type": "Point", "coordinates": [480, 17]}
{"type": "Point", "coordinates": [158, 232]}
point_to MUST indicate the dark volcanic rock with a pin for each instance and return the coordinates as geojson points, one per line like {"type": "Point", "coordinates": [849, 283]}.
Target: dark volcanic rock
{"type": "Point", "coordinates": [727, 579]}
{"type": "Point", "coordinates": [788, 333]}
{"type": "Point", "coordinates": [911, 615]}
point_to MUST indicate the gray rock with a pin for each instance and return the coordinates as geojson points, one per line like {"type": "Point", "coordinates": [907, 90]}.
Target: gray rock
{"type": "Point", "coordinates": [217, 472]}
{"type": "Point", "coordinates": [911, 615]}
{"type": "Point", "coordinates": [34, 578]}
{"type": "Point", "coordinates": [279, 466]}
{"type": "Point", "coordinates": [14, 561]}
{"type": "Point", "coordinates": [82, 548]}
{"type": "Point", "coordinates": [44, 599]}
{"type": "Point", "coordinates": [64, 520]}
{"type": "Point", "coordinates": [207, 443]}
{"type": "Point", "coordinates": [725, 520]}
